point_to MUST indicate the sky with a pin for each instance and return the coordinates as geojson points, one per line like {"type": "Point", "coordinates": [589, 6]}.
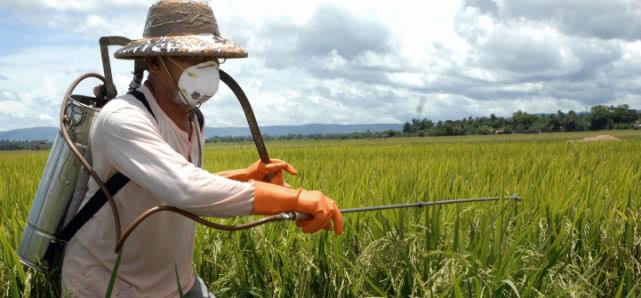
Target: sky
{"type": "Point", "coordinates": [347, 62]}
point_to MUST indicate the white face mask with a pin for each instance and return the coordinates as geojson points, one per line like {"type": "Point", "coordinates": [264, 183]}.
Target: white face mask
{"type": "Point", "coordinates": [197, 83]}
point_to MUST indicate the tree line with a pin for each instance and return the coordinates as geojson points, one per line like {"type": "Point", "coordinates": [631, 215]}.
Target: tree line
{"type": "Point", "coordinates": [599, 118]}
{"type": "Point", "coordinates": [328, 136]}
{"type": "Point", "coordinates": [24, 145]}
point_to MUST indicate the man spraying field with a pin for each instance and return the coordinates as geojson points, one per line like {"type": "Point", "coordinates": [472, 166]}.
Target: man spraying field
{"type": "Point", "coordinates": [153, 137]}
{"type": "Point", "coordinates": [143, 152]}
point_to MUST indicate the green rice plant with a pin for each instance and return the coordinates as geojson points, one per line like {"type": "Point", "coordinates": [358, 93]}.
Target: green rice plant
{"type": "Point", "coordinates": [577, 233]}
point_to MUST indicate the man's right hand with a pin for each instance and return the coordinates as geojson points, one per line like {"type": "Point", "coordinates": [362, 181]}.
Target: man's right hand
{"type": "Point", "coordinates": [273, 199]}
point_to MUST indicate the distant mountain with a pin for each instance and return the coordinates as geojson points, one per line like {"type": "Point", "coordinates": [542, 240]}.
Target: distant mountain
{"type": "Point", "coordinates": [30, 134]}
{"type": "Point", "coordinates": [49, 133]}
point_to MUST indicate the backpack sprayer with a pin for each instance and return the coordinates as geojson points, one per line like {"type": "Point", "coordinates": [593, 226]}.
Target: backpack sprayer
{"type": "Point", "coordinates": [64, 181]}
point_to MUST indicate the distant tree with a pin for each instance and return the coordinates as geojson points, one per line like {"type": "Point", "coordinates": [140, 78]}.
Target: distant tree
{"type": "Point", "coordinates": [407, 127]}
{"type": "Point", "coordinates": [555, 122]}
{"type": "Point", "coordinates": [600, 117]}
{"type": "Point", "coordinates": [497, 122]}
{"type": "Point", "coordinates": [390, 133]}
{"type": "Point", "coordinates": [572, 122]}
{"type": "Point", "coordinates": [542, 124]}
{"type": "Point", "coordinates": [623, 114]}
{"type": "Point", "coordinates": [523, 121]}
{"type": "Point", "coordinates": [486, 130]}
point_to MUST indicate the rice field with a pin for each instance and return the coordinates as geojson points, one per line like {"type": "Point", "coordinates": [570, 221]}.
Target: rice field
{"type": "Point", "coordinates": [576, 234]}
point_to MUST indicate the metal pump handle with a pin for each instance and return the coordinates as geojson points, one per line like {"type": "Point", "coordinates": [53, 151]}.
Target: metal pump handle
{"type": "Point", "coordinates": [105, 42]}
{"type": "Point", "coordinates": [249, 114]}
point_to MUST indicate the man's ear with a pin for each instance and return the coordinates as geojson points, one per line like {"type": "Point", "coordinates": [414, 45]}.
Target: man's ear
{"type": "Point", "coordinates": [153, 65]}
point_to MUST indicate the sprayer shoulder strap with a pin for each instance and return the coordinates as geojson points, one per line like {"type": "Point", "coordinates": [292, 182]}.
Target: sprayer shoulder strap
{"type": "Point", "coordinates": [113, 185]}
{"type": "Point", "coordinates": [141, 97]}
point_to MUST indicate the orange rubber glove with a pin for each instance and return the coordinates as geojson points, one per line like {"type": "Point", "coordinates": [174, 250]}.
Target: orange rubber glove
{"type": "Point", "coordinates": [273, 199]}
{"type": "Point", "coordinates": [258, 170]}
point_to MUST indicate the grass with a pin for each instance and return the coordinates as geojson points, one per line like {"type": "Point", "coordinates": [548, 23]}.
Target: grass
{"type": "Point", "coordinates": [577, 232]}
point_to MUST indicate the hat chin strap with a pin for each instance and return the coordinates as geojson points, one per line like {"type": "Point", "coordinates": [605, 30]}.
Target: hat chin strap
{"type": "Point", "coordinates": [184, 98]}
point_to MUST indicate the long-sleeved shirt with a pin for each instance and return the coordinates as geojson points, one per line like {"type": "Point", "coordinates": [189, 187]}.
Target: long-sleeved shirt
{"type": "Point", "coordinates": [155, 154]}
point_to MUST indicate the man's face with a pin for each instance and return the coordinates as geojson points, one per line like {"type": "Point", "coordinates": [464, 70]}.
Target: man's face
{"type": "Point", "coordinates": [175, 66]}
{"type": "Point", "coordinates": [178, 64]}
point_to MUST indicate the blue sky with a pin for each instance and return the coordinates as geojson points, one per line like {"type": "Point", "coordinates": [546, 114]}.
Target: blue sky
{"type": "Point", "coordinates": [349, 61]}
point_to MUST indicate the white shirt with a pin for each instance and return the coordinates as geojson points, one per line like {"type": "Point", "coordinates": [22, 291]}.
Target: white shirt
{"type": "Point", "coordinates": [154, 154]}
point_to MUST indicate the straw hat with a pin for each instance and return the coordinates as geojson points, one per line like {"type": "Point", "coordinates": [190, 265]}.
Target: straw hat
{"type": "Point", "coordinates": [181, 28]}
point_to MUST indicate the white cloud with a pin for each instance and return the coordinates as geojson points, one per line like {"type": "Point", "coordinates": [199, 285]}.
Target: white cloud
{"type": "Point", "coordinates": [73, 5]}
{"type": "Point", "coordinates": [358, 61]}
{"type": "Point", "coordinates": [612, 19]}
{"type": "Point", "coordinates": [6, 95]}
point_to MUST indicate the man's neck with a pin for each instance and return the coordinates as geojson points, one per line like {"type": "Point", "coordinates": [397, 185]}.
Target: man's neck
{"type": "Point", "coordinates": [177, 113]}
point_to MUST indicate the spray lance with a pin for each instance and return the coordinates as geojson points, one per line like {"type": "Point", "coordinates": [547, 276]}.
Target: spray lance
{"type": "Point", "coordinates": [71, 147]}
{"type": "Point", "coordinates": [295, 215]}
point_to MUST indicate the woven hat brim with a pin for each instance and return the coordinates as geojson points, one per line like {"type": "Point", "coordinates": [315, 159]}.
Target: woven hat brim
{"type": "Point", "coordinates": [181, 45]}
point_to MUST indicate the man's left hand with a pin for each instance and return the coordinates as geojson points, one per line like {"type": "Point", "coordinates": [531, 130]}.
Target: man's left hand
{"type": "Point", "coordinates": [259, 170]}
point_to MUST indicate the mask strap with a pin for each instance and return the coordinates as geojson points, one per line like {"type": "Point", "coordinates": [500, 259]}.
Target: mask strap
{"type": "Point", "coordinates": [184, 98]}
